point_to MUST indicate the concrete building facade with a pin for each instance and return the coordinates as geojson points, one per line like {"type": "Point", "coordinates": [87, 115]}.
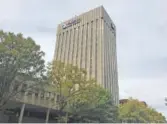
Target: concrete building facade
{"type": "Point", "coordinates": [89, 42]}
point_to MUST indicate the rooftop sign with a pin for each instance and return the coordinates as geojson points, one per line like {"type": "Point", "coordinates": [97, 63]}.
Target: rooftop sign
{"type": "Point", "coordinates": [70, 23]}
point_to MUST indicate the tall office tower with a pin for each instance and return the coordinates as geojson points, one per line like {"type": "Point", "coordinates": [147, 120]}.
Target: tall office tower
{"type": "Point", "coordinates": [89, 41]}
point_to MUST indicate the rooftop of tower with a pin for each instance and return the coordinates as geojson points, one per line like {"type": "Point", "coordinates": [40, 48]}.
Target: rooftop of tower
{"type": "Point", "coordinates": [101, 8]}
{"type": "Point", "coordinates": [85, 12]}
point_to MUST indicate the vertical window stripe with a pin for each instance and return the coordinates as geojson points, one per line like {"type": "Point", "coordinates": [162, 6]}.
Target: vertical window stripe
{"type": "Point", "coordinates": [69, 45]}
{"type": "Point", "coordinates": [91, 41]}
{"type": "Point", "coordinates": [86, 45]}
{"type": "Point", "coordinates": [77, 42]}
{"type": "Point", "coordinates": [73, 45]}
{"type": "Point", "coordinates": [82, 47]}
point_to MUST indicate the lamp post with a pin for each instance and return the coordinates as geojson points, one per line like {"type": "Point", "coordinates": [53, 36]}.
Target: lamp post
{"type": "Point", "coordinates": [166, 101]}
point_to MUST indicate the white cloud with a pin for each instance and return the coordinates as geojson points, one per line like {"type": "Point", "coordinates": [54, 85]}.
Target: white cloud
{"type": "Point", "coordinates": [9, 9]}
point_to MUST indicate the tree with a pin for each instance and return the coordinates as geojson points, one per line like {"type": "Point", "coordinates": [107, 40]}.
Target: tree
{"type": "Point", "coordinates": [80, 98]}
{"type": "Point", "coordinates": [135, 111]}
{"type": "Point", "coordinates": [102, 113]}
{"type": "Point", "coordinates": [21, 65]}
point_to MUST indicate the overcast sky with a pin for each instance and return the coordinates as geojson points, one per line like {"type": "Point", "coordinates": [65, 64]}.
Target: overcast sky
{"type": "Point", "coordinates": [141, 38]}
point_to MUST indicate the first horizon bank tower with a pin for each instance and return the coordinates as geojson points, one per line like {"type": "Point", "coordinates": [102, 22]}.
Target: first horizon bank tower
{"type": "Point", "coordinates": [89, 41]}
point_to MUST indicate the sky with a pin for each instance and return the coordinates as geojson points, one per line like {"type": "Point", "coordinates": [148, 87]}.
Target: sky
{"type": "Point", "coordinates": [141, 38]}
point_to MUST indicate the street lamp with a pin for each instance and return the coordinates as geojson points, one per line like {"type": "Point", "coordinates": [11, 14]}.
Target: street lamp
{"type": "Point", "coordinates": [166, 101]}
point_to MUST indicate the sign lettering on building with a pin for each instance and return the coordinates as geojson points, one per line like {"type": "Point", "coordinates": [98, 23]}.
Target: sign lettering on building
{"type": "Point", "coordinates": [70, 23]}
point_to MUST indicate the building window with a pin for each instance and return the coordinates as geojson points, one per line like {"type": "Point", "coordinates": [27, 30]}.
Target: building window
{"type": "Point", "coordinates": [36, 94]}
{"type": "Point", "coordinates": [58, 98]}
{"type": "Point", "coordinates": [48, 94]}
{"type": "Point", "coordinates": [29, 93]}
{"type": "Point", "coordinates": [42, 95]}
{"type": "Point", "coordinates": [52, 99]}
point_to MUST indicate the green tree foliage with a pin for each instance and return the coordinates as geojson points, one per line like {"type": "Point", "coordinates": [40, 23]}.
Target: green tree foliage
{"type": "Point", "coordinates": [83, 100]}
{"type": "Point", "coordinates": [100, 113]}
{"type": "Point", "coordinates": [21, 61]}
{"type": "Point", "coordinates": [135, 111]}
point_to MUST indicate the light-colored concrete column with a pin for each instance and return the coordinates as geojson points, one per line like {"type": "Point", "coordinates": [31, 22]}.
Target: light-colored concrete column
{"type": "Point", "coordinates": [71, 46]}
{"type": "Point", "coordinates": [102, 51]}
{"type": "Point", "coordinates": [93, 56]}
{"type": "Point", "coordinates": [99, 52]}
{"type": "Point", "coordinates": [63, 46]}
{"type": "Point", "coordinates": [47, 115]}
{"type": "Point", "coordinates": [84, 44]}
{"type": "Point", "coordinates": [21, 113]}
{"type": "Point", "coordinates": [56, 46]}
{"type": "Point", "coordinates": [88, 49]}
{"type": "Point", "coordinates": [75, 47]}
{"type": "Point", "coordinates": [59, 48]}
{"type": "Point", "coordinates": [67, 46]}
{"type": "Point", "coordinates": [80, 46]}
